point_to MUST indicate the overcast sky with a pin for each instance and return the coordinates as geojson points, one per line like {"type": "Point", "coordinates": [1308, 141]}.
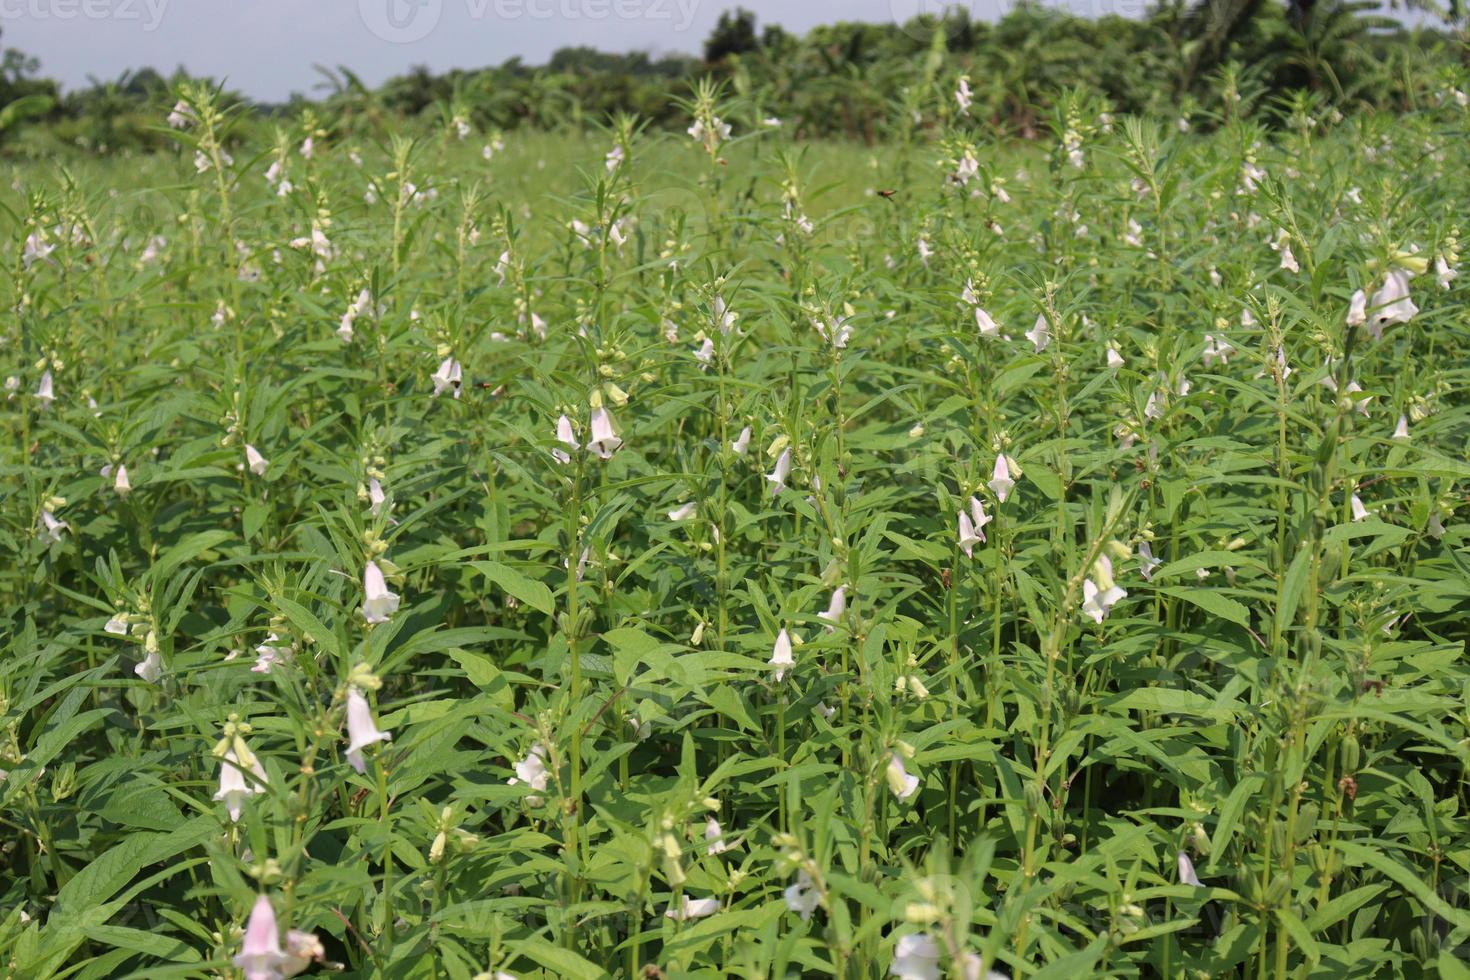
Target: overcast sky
{"type": "Point", "coordinates": [266, 48]}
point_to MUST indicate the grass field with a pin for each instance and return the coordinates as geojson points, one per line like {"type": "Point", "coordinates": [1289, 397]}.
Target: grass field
{"type": "Point", "coordinates": [731, 557]}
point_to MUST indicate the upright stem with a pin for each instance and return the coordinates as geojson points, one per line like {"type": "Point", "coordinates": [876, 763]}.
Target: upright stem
{"type": "Point", "coordinates": [385, 817]}
{"type": "Point", "coordinates": [573, 817]}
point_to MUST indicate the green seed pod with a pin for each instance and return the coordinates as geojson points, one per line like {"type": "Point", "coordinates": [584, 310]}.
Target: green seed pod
{"type": "Point", "coordinates": [1034, 800]}
{"type": "Point", "coordinates": [1291, 766]}
{"type": "Point", "coordinates": [1352, 754]}
{"type": "Point", "coordinates": [1420, 944]}
{"type": "Point", "coordinates": [1278, 837]}
{"type": "Point", "coordinates": [1317, 856]}
{"type": "Point", "coordinates": [1326, 447]}
{"type": "Point", "coordinates": [1280, 890]}
{"type": "Point", "coordinates": [1270, 752]}
{"type": "Point", "coordinates": [1306, 822]}
{"type": "Point", "coordinates": [1312, 642]}
{"type": "Point", "coordinates": [64, 784]}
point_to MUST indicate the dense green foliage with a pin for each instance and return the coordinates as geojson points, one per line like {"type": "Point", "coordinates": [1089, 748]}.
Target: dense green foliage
{"type": "Point", "coordinates": [650, 492]}
{"type": "Point", "coordinates": [859, 81]}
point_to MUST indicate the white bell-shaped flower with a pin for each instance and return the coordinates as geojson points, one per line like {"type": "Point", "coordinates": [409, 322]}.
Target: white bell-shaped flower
{"type": "Point", "coordinates": [778, 476]}
{"type": "Point", "coordinates": [234, 786]}
{"type": "Point", "coordinates": [362, 731]}
{"type": "Point", "coordinates": [532, 773]}
{"type": "Point", "coordinates": [742, 442]}
{"type": "Point", "coordinates": [692, 908]}
{"type": "Point", "coordinates": [1391, 304]}
{"type": "Point", "coordinates": [1187, 875]}
{"type": "Point", "coordinates": [378, 603]}
{"type": "Point", "coordinates": [801, 896]}
{"type": "Point", "coordinates": [1039, 334]}
{"type": "Point", "coordinates": [260, 956]}
{"type": "Point", "coordinates": [836, 607]}
{"type": "Point", "coordinates": [1099, 592]}
{"type": "Point", "coordinates": [449, 377]}
{"type": "Point", "coordinates": [1001, 482]}
{"type": "Point", "coordinates": [915, 957]}
{"type": "Point", "coordinates": [781, 657]}
{"type": "Point", "coordinates": [604, 441]}
{"type": "Point", "coordinates": [901, 782]}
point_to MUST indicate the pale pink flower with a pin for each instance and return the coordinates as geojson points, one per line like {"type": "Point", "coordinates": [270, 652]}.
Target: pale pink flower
{"type": "Point", "coordinates": [1187, 875]}
{"type": "Point", "coordinates": [1001, 483]}
{"type": "Point", "coordinates": [260, 956]}
{"type": "Point", "coordinates": [234, 786]}
{"type": "Point", "coordinates": [566, 437]}
{"type": "Point", "coordinates": [361, 729]}
{"type": "Point", "coordinates": [778, 476]}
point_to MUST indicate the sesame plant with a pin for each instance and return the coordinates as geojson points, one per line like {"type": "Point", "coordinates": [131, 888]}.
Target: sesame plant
{"type": "Point", "coordinates": [647, 555]}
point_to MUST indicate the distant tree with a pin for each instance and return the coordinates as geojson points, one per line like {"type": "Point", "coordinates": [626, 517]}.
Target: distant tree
{"type": "Point", "coordinates": [16, 66]}
{"type": "Point", "coordinates": [733, 35]}
{"type": "Point", "coordinates": [777, 41]}
{"type": "Point", "coordinates": [145, 83]}
{"type": "Point", "coordinates": [18, 81]}
{"type": "Point", "coordinates": [962, 32]}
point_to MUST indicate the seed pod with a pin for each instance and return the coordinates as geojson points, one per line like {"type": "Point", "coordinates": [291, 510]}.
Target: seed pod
{"type": "Point", "coordinates": [1278, 837]}
{"type": "Point", "coordinates": [1291, 766]}
{"type": "Point", "coordinates": [1351, 755]}
{"type": "Point", "coordinates": [1034, 799]}
{"type": "Point", "coordinates": [1327, 447]}
{"type": "Point", "coordinates": [1306, 822]}
{"type": "Point", "coordinates": [1280, 890]}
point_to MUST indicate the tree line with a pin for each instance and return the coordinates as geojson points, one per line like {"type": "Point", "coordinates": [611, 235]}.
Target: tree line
{"type": "Point", "coordinates": [1198, 61]}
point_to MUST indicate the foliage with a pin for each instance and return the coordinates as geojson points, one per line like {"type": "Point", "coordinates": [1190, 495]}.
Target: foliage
{"type": "Point", "coordinates": [857, 81]}
{"type": "Point", "coordinates": [700, 554]}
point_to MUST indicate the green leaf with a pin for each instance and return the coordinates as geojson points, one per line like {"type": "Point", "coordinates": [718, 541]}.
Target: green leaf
{"type": "Point", "coordinates": [1078, 964]}
{"type": "Point", "coordinates": [563, 962]}
{"type": "Point", "coordinates": [187, 550]}
{"type": "Point", "coordinates": [253, 518]}
{"type": "Point", "coordinates": [533, 593]}
{"type": "Point", "coordinates": [1290, 593]}
{"type": "Point", "coordinates": [1412, 880]}
{"type": "Point", "coordinates": [1211, 602]}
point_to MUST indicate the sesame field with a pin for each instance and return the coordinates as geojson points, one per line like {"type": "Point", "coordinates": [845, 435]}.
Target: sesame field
{"type": "Point", "coordinates": [645, 553]}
